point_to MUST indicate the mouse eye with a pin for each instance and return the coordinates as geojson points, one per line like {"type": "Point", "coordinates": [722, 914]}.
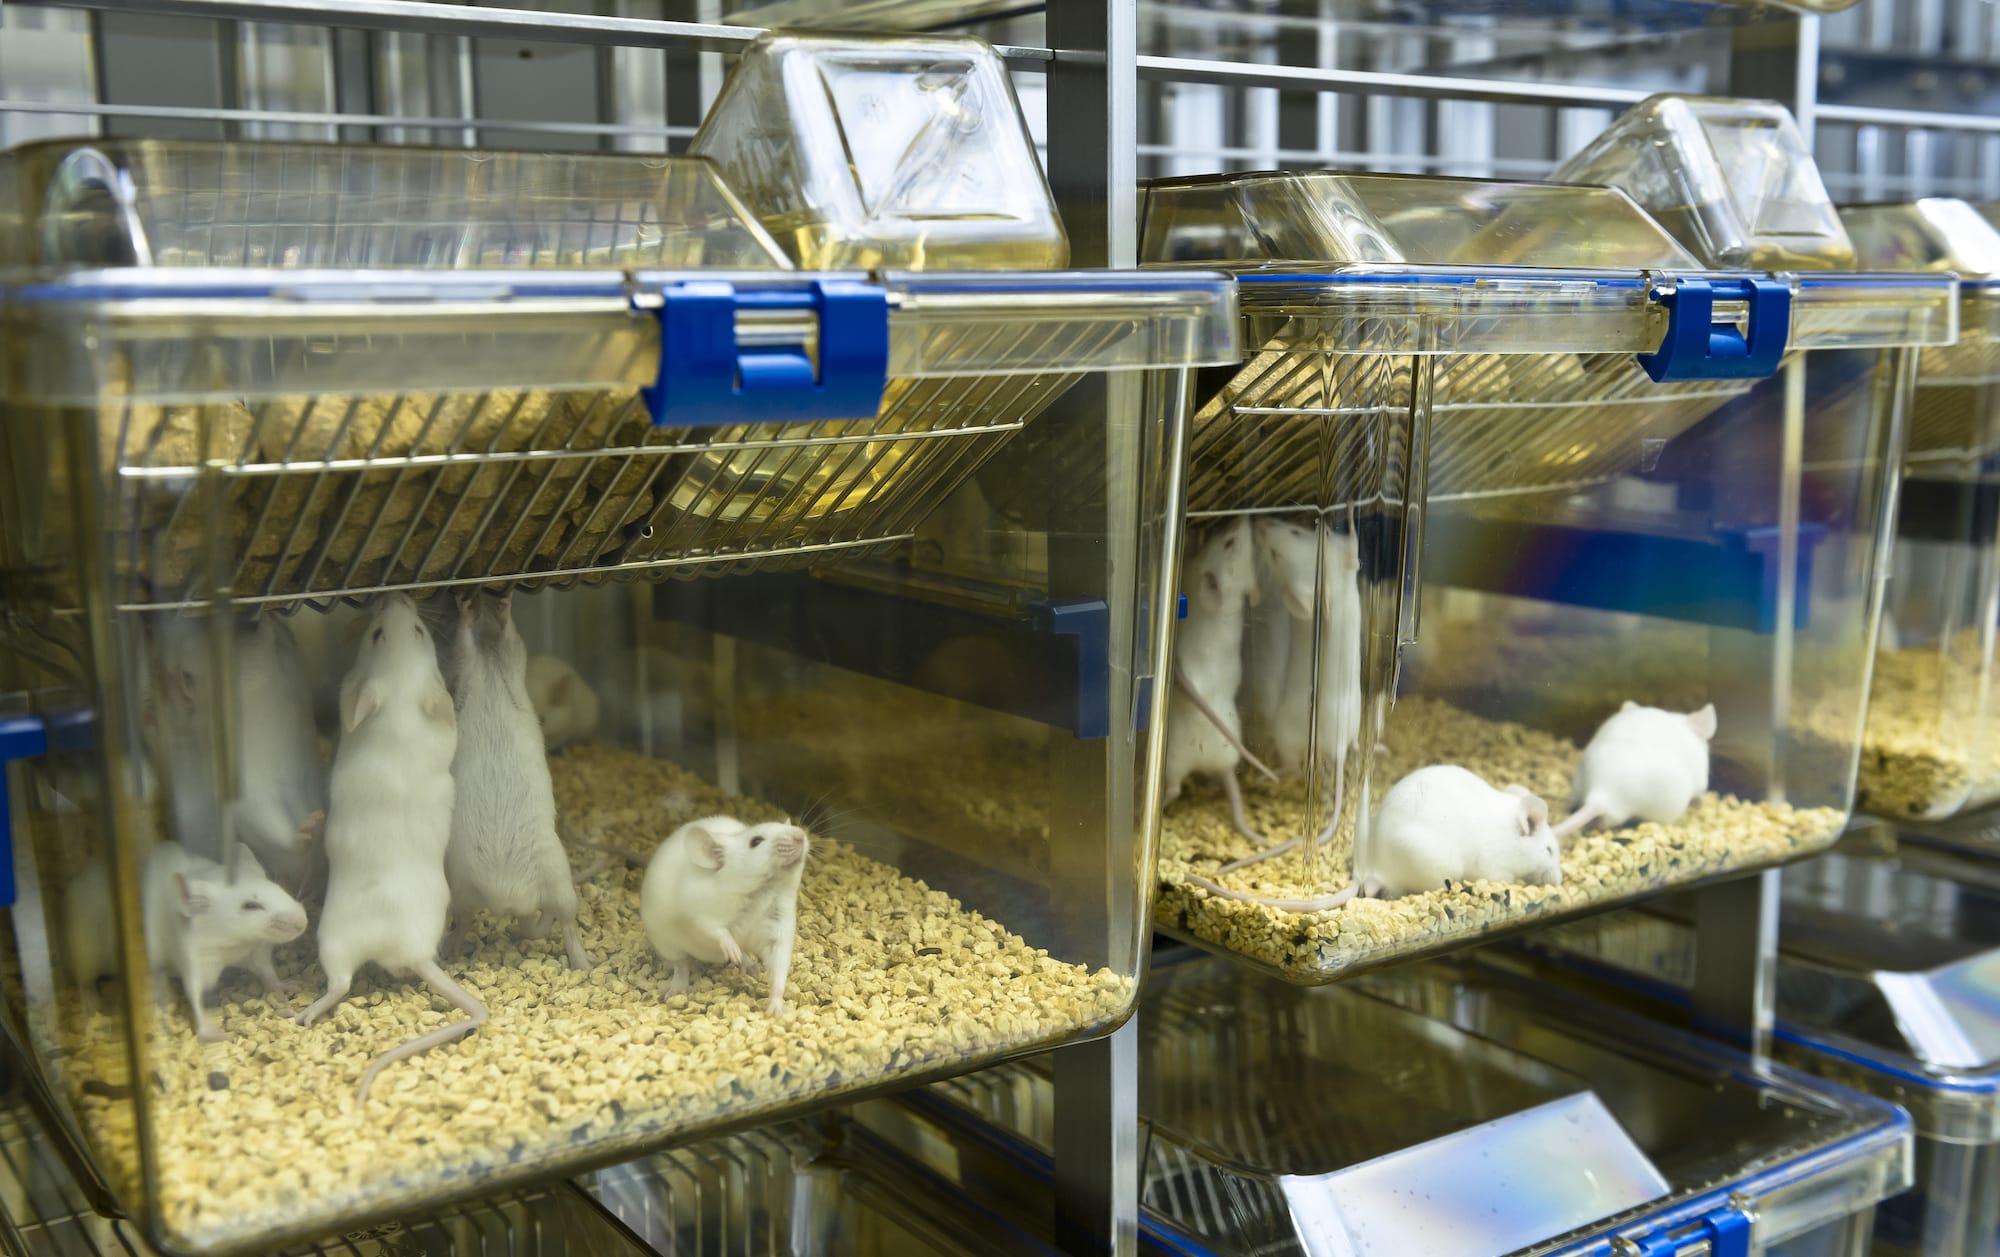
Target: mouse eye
{"type": "Point", "coordinates": [251, 905]}
{"type": "Point", "coordinates": [758, 841]}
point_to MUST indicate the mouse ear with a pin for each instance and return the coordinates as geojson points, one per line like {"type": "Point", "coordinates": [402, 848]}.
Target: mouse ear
{"type": "Point", "coordinates": [1534, 815]}
{"type": "Point", "coordinates": [561, 690]}
{"type": "Point", "coordinates": [437, 705]}
{"type": "Point", "coordinates": [194, 895]}
{"type": "Point", "coordinates": [1208, 591]}
{"type": "Point", "coordinates": [1627, 705]}
{"type": "Point", "coordinates": [705, 847]}
{"type": "Point", "coordinates": [1703, 722]}
{"type": "Point", "coordinates": [357, 703]}
{"type": "Point", "coordinates": [243, 864]}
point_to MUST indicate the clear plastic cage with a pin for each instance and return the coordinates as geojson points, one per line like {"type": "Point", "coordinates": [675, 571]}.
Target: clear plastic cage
{"type": "Point", "coordinates": [1455, 1111]}
{"type": "Point", "coordinates": [1478, 493]}
{"type": "Point", "coordinates": [1931, 749]}
{"type": "Point", "coordinates": [1886, 982]}
{"type": "Point", "coordinates": [231, 487]}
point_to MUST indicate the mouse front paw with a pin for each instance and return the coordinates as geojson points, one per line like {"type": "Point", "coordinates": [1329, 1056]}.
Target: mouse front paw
{"type": "Point", "coordinates": [776, 1007]}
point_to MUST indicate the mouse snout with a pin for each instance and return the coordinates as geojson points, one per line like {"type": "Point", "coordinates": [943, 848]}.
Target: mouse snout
{"type": "Point", "coordinates": [791, 846]}
{"type": "Point", "coordinates": [287, 925]}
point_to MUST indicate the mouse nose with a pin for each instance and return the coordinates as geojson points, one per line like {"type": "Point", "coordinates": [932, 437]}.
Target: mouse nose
{"type": "Point", "coordinates": [792, 845]}
{"type": "Point", "coordinates": [289, 925]}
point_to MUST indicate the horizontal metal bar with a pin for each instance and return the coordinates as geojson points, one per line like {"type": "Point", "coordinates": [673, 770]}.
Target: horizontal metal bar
{"type": "Point", "coordinates": [317, 118]}
{"type": "Point", "coordinates": [1299, 78]}
{"type": "Point", "coordinates": [1920, 119]}
{"type": "Point", "coordinates": [1297, 156]}
{"type": "Point", "coordinates": [497, 578]}
{"type": "Point", "coordinates": [479, 21]}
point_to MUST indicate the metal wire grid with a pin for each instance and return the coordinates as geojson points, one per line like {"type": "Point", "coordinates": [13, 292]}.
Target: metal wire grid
{"type": "Point", "coordinates": [333, 497]}
{"type": "Point", "coordinates": [730, 1197]}
{"type": "Point", "coordinates": [1302, 427]}
{"type": "Point", "coordinates": [1951, 415]}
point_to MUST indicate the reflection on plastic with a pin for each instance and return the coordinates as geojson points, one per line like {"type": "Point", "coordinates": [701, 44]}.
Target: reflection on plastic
{"type": "Point", "coordinates": [1950, 1015]}
{"type": "Point", "coordinates": [1492, 1188]}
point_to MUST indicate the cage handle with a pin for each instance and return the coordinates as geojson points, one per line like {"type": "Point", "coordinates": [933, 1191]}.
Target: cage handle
{"type": "Point", "coordinates": [707, 378]}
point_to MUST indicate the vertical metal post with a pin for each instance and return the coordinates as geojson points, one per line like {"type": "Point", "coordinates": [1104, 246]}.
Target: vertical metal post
{"type": "Point", "coordinates": [1736, 960]}
{"type": "Point", "coordinates": [1093, 171]}
{"type": "Point", "coordinates": [1779, 58]}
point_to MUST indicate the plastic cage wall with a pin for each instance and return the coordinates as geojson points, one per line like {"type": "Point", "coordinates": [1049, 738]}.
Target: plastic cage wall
{"type": "Point", "coordinates": [403, 432]}
{"type": "Point", "coordinates": [1462, 515]}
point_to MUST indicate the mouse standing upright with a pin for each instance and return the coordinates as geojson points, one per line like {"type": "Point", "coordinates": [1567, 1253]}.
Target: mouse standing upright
{"type": "Point", "coordinates": [504, 855]}
{"type": "Point", "coordinates": [1316, 712]}
{"type": "Point", "coordinates": [281, 803]}
{"type": "Point", "coordinates": [717, 889]}
{"type": "Point", "coordinates": [390, 824]}
{"type": "Point", "coordinates": [1204, 729]}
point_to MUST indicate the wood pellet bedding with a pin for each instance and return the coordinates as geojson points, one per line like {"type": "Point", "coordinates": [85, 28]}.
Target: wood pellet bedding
{"type": "Point", "coordinates": [1719, 833]}
{"type": "Point", "coordinates": [890, 979]}
{"type": "Point", "coordinates": [1926, 752]}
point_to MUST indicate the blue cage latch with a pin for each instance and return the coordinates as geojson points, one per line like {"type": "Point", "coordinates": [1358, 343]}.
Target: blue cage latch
{"type": "Point", "coordinates": [709, 377]}
{"type": "Point", "coordinates": [1696, 347]}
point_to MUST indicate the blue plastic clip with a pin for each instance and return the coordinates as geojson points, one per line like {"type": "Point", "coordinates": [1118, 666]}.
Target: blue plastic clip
{"type": "Point", "coordinates": [1088, 620]}
{"type": "Point", "coordinates": [1696, 347]}
{"type": "Point", "coordinates": [21, 737]}
{"type": "Point", "coordinates": [1727, 1231]}
{"type": "Point", "coordinates": [706, 379]}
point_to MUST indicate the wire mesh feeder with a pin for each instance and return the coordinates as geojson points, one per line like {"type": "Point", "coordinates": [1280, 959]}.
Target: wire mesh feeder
{"type": "Point", "coordinates": [1499, 424]}
{"type": "Point", "coordinates": [1955, 416]}
{"type": "Point", "coordinates": [342, 495]}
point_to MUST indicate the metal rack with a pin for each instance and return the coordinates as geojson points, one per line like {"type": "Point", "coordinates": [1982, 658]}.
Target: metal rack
{"type": "Point", "coordinates": [1898, 99]}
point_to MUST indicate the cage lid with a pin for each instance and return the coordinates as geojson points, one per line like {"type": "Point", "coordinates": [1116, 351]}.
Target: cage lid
{"type": "Point", "coordinates": [1933, 234]}
{"type": "Point", "coordinates": [1327, 217]}
{"type": "Point", "coordinates": [297, 206]}
{"type": "Point", "coordinates": [1733, 180]}
{"type": "Point", "coordinates": [873, 152]}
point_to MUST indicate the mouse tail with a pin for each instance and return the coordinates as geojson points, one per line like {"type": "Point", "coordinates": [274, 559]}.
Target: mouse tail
{"type": "Point", "coordinates": [1201, 705]}
{"type": "Point", "coordinates": [1322, 904]}
{"type": "Point", "coordinates": [1578, 820]}
{"type": "Point", "coordinates": [443, 985]}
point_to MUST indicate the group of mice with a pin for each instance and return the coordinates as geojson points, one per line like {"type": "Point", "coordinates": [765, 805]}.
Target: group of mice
{"type": "Point", "coordinates": [439, 806]}
{"type": "Point", "coordinates": [1303, 697]}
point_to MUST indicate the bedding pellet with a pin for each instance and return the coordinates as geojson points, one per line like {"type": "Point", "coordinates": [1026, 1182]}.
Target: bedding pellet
{"type": "Point", "coordinates": [891, 979]}
{"type": "Point", "coordinates": [1603, 866]}
{"type": "Point", "coordinates": [1926, 752]}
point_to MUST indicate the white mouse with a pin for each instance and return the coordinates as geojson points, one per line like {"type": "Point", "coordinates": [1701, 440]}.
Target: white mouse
{"type": "Point", "coordinates": [390, 823]}
{"type": "Point", "coordinates": [201, 921]}
{"type": "Point", "coordinates": [1314, 569]}
{"type": "Point", "coordinates": [281, 803]}
{"type": "Point", "coordinates": [1643, 763]}
{"type": "Point", "coordinates": [1439, 824]}
{"type": "Point", "coordinates": [504, 855]}
{"type": "Point", "coordinates": [568, 707]}
{"type": "Point", "coordinates": [1204, 729]}
{"type": "Point", "coordinates": [718, 890]}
